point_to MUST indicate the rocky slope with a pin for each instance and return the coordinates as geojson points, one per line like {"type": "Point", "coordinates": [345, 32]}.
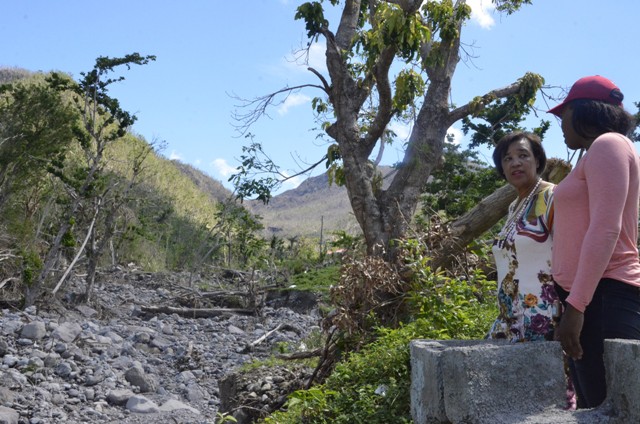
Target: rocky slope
{"type": "Point", "coordinates": [111, 362]}
{"type": "Point", "coordinates": [313, 209]}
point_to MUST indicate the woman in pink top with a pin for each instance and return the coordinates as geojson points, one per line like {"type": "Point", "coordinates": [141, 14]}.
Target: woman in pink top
{"type": "Point", "coordinates": [595, 256]}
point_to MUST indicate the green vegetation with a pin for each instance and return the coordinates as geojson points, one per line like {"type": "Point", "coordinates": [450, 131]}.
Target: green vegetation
{"type": "Point", "coordinates": [78, 190]}
{"type": "Point", "coordinates": [318, 280]}
{"type": "Point", "coordinates": [106, 197]}
{"type": "Point", "coordinates": [460, 184]}
{"type": "Point", "coordinates": [372, 385]}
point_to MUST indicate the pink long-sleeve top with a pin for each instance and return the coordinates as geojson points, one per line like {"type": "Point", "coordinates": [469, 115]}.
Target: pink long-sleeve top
{"type": "Point", "coordinates": [596, 220]}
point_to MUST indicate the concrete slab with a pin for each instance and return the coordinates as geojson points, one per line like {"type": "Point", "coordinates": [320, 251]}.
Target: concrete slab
{"type": "Point", "coordinates": [622, 364]}
{"type": "Point", "coordinates": [490, 382]}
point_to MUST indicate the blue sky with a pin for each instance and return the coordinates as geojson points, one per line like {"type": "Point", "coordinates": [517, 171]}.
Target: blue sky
{"type": "Point", "coordinates": [209, 50]}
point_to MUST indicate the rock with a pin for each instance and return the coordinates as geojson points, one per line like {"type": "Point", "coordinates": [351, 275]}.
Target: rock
{"type": "Point", "coordinates": [119, 397]}
{"type": "Point", "coordinates": [174, 404]}
{"type": "Point", "coordinates": [75, 365]}
{"type": "Point", "coordinates": [67, 332]}
{"type": "Point", "coordinates": [137, 377]}
{"type": "Point", "coordinates": [34, 331]}
{"type": "Point", "coordinates": [8, 416]}
{"type": "Point", "coordinates": [86, 311]}
{"type": "Point", "coordinates": [141, 404]}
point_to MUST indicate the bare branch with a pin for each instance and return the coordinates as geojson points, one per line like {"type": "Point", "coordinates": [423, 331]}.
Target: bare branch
{"type": "Point", "coordinates": [304, 171]}
{"type": "Point", "coordinates": [266, 335]}
{"type": "Point", "coordinates": [7, 280]}
{"type": "Point", "coordinates": [260, 105]}
{"type": "Point", "coordinates": [80, 251]}
{"type": "Point", "coordinates": [4, 256]}
{"type": "Point", "coordinates": [327, 87]}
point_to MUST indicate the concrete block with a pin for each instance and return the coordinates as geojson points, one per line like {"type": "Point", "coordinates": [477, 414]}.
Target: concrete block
{"type": "Point", "coordinates": [480, 381]}
{"type": "Point", "coordinates": [622, 364]}
{"type": "Point", "coordinates": [427, 385]}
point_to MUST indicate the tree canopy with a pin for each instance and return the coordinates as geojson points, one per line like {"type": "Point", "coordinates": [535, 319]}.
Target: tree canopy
{"type": "Point", "coordinates": [394, 61]}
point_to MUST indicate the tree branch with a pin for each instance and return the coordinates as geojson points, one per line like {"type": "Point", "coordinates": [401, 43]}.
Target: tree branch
{"type": "Point", "coordinates": [481, 101]}
{"type": "Point", "coordinates": [327, 87]}
{"type": "Point", "coordinates": [348, 24]}
{"type": "Point", "coordinates": [259, 106]}
{"type": "Point", "coordinates": [384, 112]}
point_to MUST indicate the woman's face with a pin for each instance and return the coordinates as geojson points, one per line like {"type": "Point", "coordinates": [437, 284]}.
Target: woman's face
{"type": "Point", "coordinates": [571, 138]}
{"type": "Point", "coordinates": [519, 165]}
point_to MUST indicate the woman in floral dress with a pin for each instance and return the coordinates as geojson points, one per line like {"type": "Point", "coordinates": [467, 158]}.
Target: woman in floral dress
{"type": "Point", "coordinates": [527, 298]}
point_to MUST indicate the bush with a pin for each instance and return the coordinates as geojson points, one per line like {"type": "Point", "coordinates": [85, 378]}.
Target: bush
{"type": "Point", "coordinates": [373, 385]}
{"type": "Point", "coordinates": [318, 280]}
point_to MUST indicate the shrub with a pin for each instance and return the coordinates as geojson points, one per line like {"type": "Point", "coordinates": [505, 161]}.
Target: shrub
{"type": "Point", "coordinates": [372, 386]}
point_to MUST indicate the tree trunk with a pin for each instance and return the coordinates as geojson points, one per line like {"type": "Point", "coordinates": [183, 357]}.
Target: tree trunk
{"type": "Point", "coordinates": [487, 213]}
{"type": "Point", "coordinates": [364, 105]}
{"type": "Point", "coordinates": [473, 224]}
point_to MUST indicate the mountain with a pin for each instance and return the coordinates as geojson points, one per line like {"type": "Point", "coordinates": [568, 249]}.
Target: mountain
{"type": "Point", "coordinates": [210, 186]}
{"type": "Point", "coordinates": [312, 208]}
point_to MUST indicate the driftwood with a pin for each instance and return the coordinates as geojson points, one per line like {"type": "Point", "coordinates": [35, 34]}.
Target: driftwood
{"type": "Point", "coordinates": [302, 355]}
{"type": "Point", "coordinates": [196, 312]}
{"type": "Point", "coordinates": [226, 293]}
{"type": "Point", "coordinates": [266, 335]}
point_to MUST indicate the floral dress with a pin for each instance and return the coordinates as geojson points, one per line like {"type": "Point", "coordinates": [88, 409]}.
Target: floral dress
{"type": "Point", "coordinates": [527, 299]}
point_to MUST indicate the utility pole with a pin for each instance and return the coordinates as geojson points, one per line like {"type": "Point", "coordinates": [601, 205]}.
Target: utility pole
{"type": "Point", "coordinates": [321, 230]}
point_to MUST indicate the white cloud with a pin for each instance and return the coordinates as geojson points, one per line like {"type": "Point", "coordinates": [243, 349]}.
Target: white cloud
{"type": "Point", "coordinates": [292, 183]}
{"type": "Point", "coordinates": [481, 12]}
{"type": "Point", "coordinates": [293, 100]}
{"type": "Point", "coordinates": [302, 59]}
{"type": "Point", "coordinates": [317, 57]}
{"type": "Point", "coordinates": [457, 134]}
{"type": "Point", "coordinates": [402, 130]}
{"type": "Point", "coordinates": [175, 155]}
{"type": "Point", "coordinates": [222, 167]}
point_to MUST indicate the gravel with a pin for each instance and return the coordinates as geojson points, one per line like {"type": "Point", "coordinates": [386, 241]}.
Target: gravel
{"type": "Point", "coordinates": [109, 362]}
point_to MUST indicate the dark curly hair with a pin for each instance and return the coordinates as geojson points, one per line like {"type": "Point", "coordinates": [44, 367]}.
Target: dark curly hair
{"type": "Point", "coordinates": [504, 143]}
{"type": "Point", "coordinates": [592, 118]}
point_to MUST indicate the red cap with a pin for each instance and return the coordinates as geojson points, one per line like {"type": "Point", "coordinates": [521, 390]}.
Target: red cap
{"type": "Point", "coordinates": [591, 88]}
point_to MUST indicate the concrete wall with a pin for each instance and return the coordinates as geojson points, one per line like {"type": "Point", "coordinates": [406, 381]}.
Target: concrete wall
{"type": "Point", "coordinates": [483, 381]}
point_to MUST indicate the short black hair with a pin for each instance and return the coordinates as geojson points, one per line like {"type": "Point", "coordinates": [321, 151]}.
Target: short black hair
{"type": "Point", "coordinates": [536, 147]}
{"type": "Point", "coordinates": [592, 118]}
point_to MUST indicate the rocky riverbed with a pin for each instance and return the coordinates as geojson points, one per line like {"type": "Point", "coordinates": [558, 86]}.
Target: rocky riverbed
{"type": "Point", "coordinates": [110, 362]}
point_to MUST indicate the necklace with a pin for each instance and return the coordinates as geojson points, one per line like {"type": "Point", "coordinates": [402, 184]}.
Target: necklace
{"type": "Point", "coordinates": [516, 211]}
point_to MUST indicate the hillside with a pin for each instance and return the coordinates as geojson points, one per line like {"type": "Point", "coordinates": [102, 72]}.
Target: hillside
{"type": "Point", "coordinates": [305, 210]}
{"type": "Point", "coordinates": [165, 217]}
{"type": "Point", "coordinates": [308, 208]}
{"type": "Point", "coordinates": [213, 188]}
{"type": "Point", "coordinates": [302, 211]}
